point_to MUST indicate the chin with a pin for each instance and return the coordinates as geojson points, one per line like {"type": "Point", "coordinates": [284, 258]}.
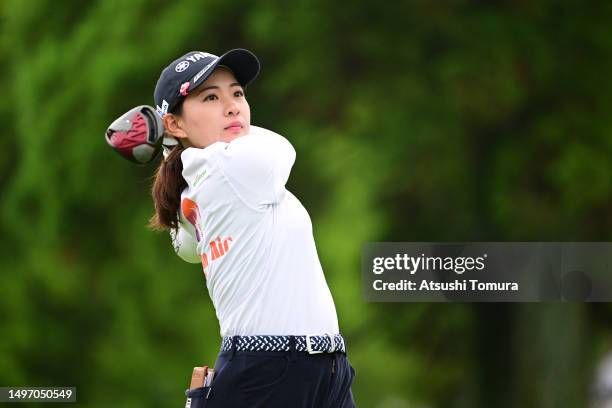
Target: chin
{"type": "Point", "coordinates": [231, 136]}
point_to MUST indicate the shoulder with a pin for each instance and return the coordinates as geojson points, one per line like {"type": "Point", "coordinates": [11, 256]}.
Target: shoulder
{"type": "Point", "coordinates": [195, 155]}
{"type": "Point", "coordinates": [198, 164]}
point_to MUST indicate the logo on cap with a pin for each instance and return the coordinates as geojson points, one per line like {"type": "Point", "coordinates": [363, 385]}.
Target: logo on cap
{"type": "Point", "coordinates": [163, 110]}
{"type": "Point", "coordinates": [181, 66]}
{"type": "Point", "coordinates": [184, 88]}
{"type": "Point", "coordinates": [199, 55]}
{"type": "Point", "coordinates": [203, 71]}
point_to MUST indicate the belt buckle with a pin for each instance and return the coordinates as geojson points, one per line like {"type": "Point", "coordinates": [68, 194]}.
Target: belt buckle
{"type": "Point", "coordinates": [309, 346]}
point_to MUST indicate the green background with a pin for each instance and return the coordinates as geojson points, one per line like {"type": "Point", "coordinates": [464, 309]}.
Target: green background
{"type": "Point", "coordinates": [412, 121]}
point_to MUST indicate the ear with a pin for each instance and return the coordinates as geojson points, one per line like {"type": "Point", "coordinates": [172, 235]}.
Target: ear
{"type": "Point", "coordinates": [173, 126]}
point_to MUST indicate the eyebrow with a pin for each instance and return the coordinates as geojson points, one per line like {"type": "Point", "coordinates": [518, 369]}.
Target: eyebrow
{"type": "Point", "coordinates": [216, 87]}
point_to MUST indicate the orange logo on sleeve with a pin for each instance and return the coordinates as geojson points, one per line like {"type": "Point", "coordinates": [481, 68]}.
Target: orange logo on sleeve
{"type": "Point", "coordinates": [191, 212]}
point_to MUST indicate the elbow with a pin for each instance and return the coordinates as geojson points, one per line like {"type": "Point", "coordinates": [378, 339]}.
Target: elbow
{"type": "Point", "coordinates": [190, 257]}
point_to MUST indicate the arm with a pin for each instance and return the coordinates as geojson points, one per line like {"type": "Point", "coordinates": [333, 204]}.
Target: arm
{"type": "Point", "coordinates": [258, 166]}
{"type": "Point", "coordinates": [184, 243]}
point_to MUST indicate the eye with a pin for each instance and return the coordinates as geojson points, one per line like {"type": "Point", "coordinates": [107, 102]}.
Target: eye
{"type": "Point", "coordinates": [211, 97]}
{"type": "Point", "coordinates": [239, 93]}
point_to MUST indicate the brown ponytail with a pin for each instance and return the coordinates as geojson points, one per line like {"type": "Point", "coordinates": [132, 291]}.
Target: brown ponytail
{"type": "Point", "coordinates": [166, 191]}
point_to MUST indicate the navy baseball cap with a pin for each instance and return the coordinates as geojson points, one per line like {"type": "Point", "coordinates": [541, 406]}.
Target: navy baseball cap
{"type": "Point", "coordinates": [189, 71]}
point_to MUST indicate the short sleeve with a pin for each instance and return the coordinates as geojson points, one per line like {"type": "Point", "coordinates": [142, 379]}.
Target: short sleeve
{"type": "Point", "coordinates": [258, 166]}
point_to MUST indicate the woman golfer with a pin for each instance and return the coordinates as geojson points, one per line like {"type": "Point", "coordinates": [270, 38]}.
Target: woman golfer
{"type": "Point", "coordinates": [221, 192]}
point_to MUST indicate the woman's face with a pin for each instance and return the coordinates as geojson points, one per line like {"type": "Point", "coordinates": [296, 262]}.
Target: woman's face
{"type": "Point", "coordinates": [215, 111]}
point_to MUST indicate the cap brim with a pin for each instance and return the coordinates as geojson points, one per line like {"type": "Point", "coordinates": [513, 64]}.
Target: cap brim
{"type": "Point", "coordinates": [243, 63]}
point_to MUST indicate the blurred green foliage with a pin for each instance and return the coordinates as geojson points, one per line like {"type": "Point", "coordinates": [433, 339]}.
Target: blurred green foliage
{"type": "Point", "coordinates": [413, 121]}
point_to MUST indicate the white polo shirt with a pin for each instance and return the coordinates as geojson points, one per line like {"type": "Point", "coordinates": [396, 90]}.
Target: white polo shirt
{"type": "Point", "coordinates": [254, 238]}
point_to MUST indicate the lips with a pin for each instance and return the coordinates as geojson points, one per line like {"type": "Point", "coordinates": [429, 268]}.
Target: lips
{"type": "Point", "coordinates": [233, 125]}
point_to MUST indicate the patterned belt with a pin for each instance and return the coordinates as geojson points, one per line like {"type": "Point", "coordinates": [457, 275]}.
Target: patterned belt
{"type": "Point", "coordinates": [327, 343]}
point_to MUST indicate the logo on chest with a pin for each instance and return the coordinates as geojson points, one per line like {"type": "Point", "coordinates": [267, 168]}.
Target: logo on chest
{"type": "Point", "coordinates": [216, 249]}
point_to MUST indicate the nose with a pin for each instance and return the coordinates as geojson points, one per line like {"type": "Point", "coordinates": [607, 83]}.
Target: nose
{"type": "Point", "coordinates": [231, 108]}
